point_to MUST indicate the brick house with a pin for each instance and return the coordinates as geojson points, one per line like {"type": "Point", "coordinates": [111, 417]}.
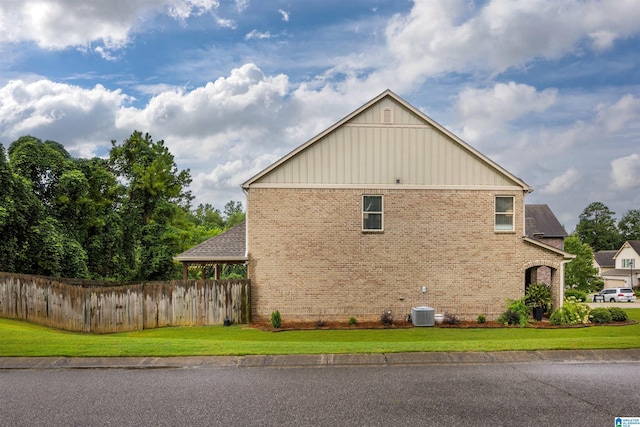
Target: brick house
{"type": "Point", "coordinates": [356, 220]}
{"type": "Point", "coordinates": [541, 224]}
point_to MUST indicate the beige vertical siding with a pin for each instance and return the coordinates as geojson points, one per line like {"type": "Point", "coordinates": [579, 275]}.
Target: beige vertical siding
{"type": "Point", "coordinates": [366, 151]}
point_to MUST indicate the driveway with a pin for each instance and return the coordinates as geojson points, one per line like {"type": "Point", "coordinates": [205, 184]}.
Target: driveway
{"type": "Point", "coordinates": [622, 305]}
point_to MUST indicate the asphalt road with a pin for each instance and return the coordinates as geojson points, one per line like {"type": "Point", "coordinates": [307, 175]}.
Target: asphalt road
{"type": "Point", "coordinates": [569, 393]}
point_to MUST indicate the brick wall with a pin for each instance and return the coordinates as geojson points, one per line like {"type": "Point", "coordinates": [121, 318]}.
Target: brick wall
{"type": "Point", "coordinates": [309, 259]}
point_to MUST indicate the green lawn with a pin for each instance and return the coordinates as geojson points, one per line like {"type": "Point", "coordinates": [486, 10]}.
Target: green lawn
{"type": "Point", "coordinates": [24, 339]}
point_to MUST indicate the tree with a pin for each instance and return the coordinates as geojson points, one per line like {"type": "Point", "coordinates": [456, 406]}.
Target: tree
{"type": "Point", "coordinates": [42, 163]}
{"type": "Point", "coordinates": [629, 225]}
{"type": "Point", "coordinates": [102, 222]}
{"type": "Point", "coordinates": [155, 200]}
{"type": "Point", "coordinates": [580, 273]}
{"type": "Point", "coordinates": [19, 211]}
{"type": "Point", "coordinates": [233, 214]}
{"type": "Point", "coordinates": [597, 228]}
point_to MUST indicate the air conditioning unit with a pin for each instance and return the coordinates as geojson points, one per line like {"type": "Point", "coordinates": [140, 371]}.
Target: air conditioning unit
{"type": "Point", "coordinates": [422, 316]}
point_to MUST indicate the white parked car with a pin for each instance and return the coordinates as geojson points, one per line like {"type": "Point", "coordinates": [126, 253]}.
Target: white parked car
{"type": "Point", "coordinates": [615, 295]}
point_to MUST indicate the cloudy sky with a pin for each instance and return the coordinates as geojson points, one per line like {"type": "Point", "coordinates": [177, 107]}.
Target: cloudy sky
{"type": "Point", "coordinates": [550, 90]}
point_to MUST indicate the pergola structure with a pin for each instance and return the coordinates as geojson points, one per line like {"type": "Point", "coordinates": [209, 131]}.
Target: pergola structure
{"type": "Point", "coordinates": [229, 247]}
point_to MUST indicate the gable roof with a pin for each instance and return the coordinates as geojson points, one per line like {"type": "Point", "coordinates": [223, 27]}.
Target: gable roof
{"type": "Point", "coordinates": [229, 246]}
{"type": "Point", "coordinates": [634, 244]}
{"type": "Point", "coordinates": [362, 144]}
{"type": "Point", "coordinates": [540, 221]}
{"type": "Point", "coordinates": [605, 258]}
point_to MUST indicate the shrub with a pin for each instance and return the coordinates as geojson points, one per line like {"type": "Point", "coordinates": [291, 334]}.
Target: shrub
{"type": "Point", "coordinates": [538, 295]}
{"type": "Point", "coordinates": [600, 315]}
{"type": "Point", "coordinates": [450, 319]}
{"type": "Point", "coordinates": [577, 294]}
{"type": "Point", "coordinates": [618, 314]}
{"type": "Point", "coordinates": [353, 321]}
{"type": "Point", "coordinates": [386, 319]}
{"type": "Point", "coordinates": [320, 323]}
{"type": "Point", "coordinates": [516, 313]}
{"type": "Point", "coordinates": [571, 313]}
{"type": "Point", "coordinates": [276, 319]}
{"type": "Point", "coordinates": [482, 318]}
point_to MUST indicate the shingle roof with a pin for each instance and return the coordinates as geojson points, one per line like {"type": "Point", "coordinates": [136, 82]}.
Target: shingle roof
{"type": "Point", "coordinates": [635, 244]}
{"type": "Point", "coordinates": [540, 221]}
{"type": "Point", "coordinates": [605, 258]}
{"type": "Point", "coordinates": [227, 246]}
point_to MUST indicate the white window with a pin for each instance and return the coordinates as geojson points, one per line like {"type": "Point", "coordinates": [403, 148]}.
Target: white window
{"type": "Point", "coordinates": [371, 213]}
{"type": "Point", "coordinates": [504, 213]}
{"type": "Point", "coordinates": [628, 263]}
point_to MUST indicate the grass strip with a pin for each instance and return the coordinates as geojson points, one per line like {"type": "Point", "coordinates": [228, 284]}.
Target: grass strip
{"type": "Point", "coordinates": [22, 339]}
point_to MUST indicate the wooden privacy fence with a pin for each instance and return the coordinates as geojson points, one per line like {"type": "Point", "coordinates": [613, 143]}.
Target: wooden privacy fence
{"type": "Point", "coordinates": [101, 307]}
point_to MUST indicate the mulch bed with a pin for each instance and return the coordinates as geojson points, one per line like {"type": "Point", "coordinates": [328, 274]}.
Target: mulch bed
{"type": "Point", "coordinates": [306, 326]}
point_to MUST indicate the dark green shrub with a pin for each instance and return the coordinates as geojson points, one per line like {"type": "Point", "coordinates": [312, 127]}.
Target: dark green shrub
{"type": "Point", "coordinates": [577, 294]}
{"type": "Point", "coordinates": [516, 313]}
{"type": "Point", "coordinates": [618, 314]}
{"type": "Point", "coordinates": [450, 319]}
{"type": "Point", "coordinates": [276, 319]}
{"type": "Point", "coordinates": [482, 318]}
{"type": "Point", "coordinates": [353, 321]}
{"type": "Point", "coordinates": [386, 319]}
{"type": "Point", "coordinates": [601, 315]}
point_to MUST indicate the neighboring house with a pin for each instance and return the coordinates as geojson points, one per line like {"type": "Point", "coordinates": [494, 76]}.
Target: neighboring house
{"type": "Point", "coordinates": [627, 267]}
{"type": "Point", "coordinates": [541, 224]}
{"type": "Point", "coordinates": [358, 219]}
{"type": "Point", "coordinates": [604, 261]}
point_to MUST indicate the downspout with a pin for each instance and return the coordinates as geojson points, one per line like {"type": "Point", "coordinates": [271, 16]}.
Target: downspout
{"type": "Point", "coordinates": [246, 228]}
{"type": "Point", "coordinates": [561, 290]}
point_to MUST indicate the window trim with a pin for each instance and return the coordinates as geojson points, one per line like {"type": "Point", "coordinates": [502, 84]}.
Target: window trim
{"type": "Point", "coordinates": [628, 263]}
{"type": "Point", "coordinates": [506, 213]}
{"type": "Point", "coordinates": [380, 212]}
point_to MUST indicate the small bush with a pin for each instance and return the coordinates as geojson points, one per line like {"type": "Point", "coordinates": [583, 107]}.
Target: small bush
{"type": "Point", "coordinates": [276, 319]}
{"type": "Point", "coordinates": [601, 315]}
{"type": "Point", "coordinates": [618, 314]}
{"type": "Point", "coordinates": [386, 319]}
{"type": "Point", "coordinates": [571, 313]}
{"type": "Point", "coordinates": [450, 319]}
{"type": "Point", "coordinates": [482, 318]}
{"type": "Point", "coordinates": [353, 321]}
{"type": "Point", "coordinates": [516, 313]}
{"type": "Point", "coordinates": [578, 295]}
{"type": "Point", "coordinates": [538, 295]}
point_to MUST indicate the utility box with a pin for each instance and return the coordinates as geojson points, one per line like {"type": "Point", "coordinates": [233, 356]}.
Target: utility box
{"type": "Point", "coordinates": [423, 316]}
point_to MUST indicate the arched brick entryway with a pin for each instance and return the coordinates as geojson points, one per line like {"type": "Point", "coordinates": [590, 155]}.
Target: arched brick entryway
{"type": "Point", "coordinates": [544, 271]}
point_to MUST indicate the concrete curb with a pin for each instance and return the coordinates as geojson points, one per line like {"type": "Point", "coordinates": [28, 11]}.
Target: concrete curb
{"type": "Point", "coordinates": [323, 360]}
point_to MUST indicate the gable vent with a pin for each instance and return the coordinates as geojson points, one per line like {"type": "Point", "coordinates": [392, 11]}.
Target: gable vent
{"type": "Point", "coordinates": [387, 116]}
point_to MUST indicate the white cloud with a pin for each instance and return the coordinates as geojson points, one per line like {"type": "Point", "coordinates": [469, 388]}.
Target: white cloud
{"type": "Point", "coordinates": [285, 15]}
{"type": "Point", "coordinates": [242, 5]}
{"type": "Point", "coordinates": [617, 116]}
{"type": "Point", "coordinates": [108, 24]}
{"type": "Point", "coordinates": [255, 34]}
{"type": "Point", "coordinates": [625, 173]}
{"type": "Point", "coordinates": [61, 112]}
{"type": "Point", "coordinates": [562, 183]}
{"type": "Point", "coordinates": [483, 112]}
{"type": "Point", "coordinates": [503, 102]}
{"type": "Point", "coordinates": [451, 35]}
{"type": "Point", "coordinates": [183, 9]}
